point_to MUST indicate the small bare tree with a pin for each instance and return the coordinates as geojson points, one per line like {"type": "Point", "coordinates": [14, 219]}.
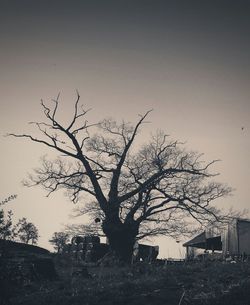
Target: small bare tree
{"type": "Point", "coordinates": [26, 231]}
{"type": "Point", "coordinates": [6, 229]}
{"type": "Point", "coordinates": [59, 240]}
{"type": "Point", "coordinates": [155, 189]}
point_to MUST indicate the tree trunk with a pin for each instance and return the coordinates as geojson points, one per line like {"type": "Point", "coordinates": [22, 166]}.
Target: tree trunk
{"type": "Point", "coordinates": [121, 238]}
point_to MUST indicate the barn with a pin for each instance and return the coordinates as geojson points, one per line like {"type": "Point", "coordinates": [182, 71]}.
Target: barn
{"type": "Point", "coordinates": [233, 240]}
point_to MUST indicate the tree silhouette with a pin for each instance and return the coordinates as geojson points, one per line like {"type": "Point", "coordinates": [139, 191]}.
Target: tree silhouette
{"type": "Point", "coordinates": [153, 189]}
{"type": "Point", "coordinates": [6, 230]}
{"type": "Point", "coordinates": [26, 231]}
{"type": "Point", "coordinates": [59, 240]}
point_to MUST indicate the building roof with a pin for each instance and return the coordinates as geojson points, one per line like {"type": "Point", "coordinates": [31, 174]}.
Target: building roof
{"type": "Point", "coordinates": [196, 241]}
{"type": "Point", "coordinates": [202, 242]}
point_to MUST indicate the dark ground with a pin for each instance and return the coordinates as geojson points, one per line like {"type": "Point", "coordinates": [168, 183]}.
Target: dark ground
{"type": "Point", "coordinates": [207, 283]}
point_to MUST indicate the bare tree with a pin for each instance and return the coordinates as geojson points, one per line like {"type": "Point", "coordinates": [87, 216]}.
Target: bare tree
{"type": "Point", "coordinates": [6, 229]}
{"type": "Point", "coordinates": [155, 189]}
{"type": "Point", "coordinates": [59, 240]}
{"type": "Point", "coordinates": [26, 231]}
{"type": "Point", "coordinates": [6, 223]}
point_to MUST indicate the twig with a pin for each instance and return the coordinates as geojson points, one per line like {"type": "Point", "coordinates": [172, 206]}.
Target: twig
{"type": "Point", "coordinates": [182, 296]}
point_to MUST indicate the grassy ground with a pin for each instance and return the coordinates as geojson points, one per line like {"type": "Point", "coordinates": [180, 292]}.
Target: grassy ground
{"type": "Point", "coordinates": [191, 284]}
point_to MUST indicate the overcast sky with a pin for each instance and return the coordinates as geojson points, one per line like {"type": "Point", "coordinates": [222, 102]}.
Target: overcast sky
{"type": "Point", "coordinates": [188, 60]}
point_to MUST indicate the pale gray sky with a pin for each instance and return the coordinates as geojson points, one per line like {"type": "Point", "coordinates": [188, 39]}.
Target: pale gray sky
{"type": "Point", "coordinates": [187, 60]}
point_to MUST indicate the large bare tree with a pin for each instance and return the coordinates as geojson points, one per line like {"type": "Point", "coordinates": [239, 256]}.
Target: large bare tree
{"type": "Point", "coordinates": [138, 191]}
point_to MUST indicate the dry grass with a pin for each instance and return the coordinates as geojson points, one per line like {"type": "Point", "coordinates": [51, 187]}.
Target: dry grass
{"type": "Point", "coordinates": [207, 284]}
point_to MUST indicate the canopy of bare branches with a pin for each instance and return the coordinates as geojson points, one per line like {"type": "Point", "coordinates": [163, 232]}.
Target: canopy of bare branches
{"type": "Point", "coordinates": [159, 186]}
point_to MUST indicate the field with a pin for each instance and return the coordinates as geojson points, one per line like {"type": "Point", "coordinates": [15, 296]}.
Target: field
{"type": "Point", "coordinates": [207, 283]}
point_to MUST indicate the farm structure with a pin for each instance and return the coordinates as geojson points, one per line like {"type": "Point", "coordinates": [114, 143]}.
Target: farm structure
{"type": "Point", "coordinates": [89, 249]}
{"type": "Point", "coordinates": [233, 240]}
